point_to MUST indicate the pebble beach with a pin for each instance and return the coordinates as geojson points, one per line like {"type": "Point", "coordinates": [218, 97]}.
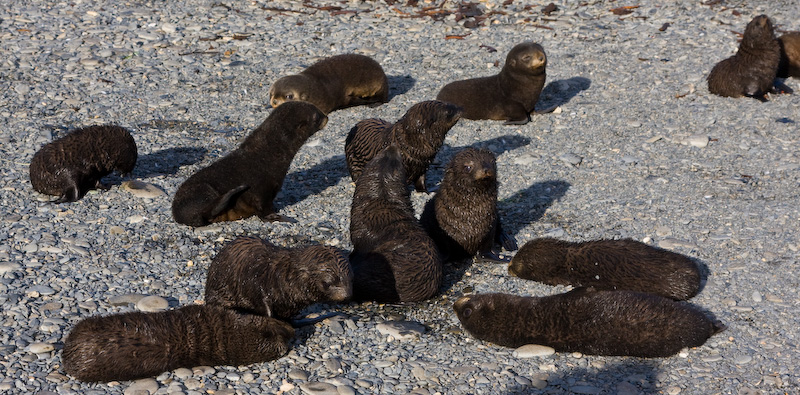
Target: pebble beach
{"type": "Point", "coordinates": [635, 147]}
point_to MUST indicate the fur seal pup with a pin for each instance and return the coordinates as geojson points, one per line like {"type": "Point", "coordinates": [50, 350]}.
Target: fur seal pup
{"type": "Point", "coordinates": [135, 345]}
{"type": "Point", "coordinates": [789, 65]}
{"type": "Point", "coordinates": [393, 259]}
{"type": "Point", "coordinates": [510, 95]}
{"type": "Point", "coordinates": [462, 216]}
{"type": "Point", "coordinates": [751, 71]}
{"type": "Point", "coordinates": [255, 276]}
{"type": "Point", "coordinates": [245, 182]}
{"type": "Point", "coordinates": [588, 321]}
{"type": "Point", "coordinates": [72, 165]}
{"type": "Point", "coordinates": [336, 82]}
{"type": "Point", "coordinates": [608, 264]}
{"type": "Point", "coordinates": [418, 134]}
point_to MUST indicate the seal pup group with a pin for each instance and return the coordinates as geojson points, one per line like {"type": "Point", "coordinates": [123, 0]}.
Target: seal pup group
{"type": "Point", "coordinates": [752, 70]}
{"type": "Point", "coordinates": [255, 276]}
{"type": "Point", "coordinates": [462, 217]}
{"type": "Point", "coordinates": [72, 165]}
{"type": "Point", "coordinates": [510, 95]}
{"type": "Point", "coordinates": [418, 134]}
{"type": "Point", "coordinates": [608, 264]}
{"type": "Point", "coordinates": [336, 82]}
{"type": "Point", "coordinates": [588, 321]}
{"type": "Point", "coordinates": [789, 65]}
{"type": "Point", "coordinates": [245, 182]}
{"type": "Point", "coordinates": [135, 345]}
{"type": "Point", "coordinates": [393, 259]}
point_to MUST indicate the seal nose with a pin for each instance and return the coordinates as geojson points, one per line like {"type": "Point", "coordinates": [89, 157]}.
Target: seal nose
{"type": "Point", "coordinates": [459, 304]}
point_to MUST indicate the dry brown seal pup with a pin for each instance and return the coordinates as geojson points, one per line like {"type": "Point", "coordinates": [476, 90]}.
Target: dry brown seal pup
{"type": "Point", "coordinates": [418, 134]}
{"type": "Point", "coordinates": [608, 264]}
{"type": "Point", "coordinates": [135, 345]}
{"type": "Point", "coordinates": [588, 321]}
{"type": "Point", "coordinates": [510, 95]}
{"type": "Point", "coordinates": [393, 259]}
{"type": "Point", "coordinates": [751, 71]}
{"type": "Point", "coordinates": [336, 82]}
{"type": "Point", "coordinates": [789, 65]}
{"type": "Point", "coordinates": [255, 276]}
{"type": "Point", "coordinates": [245, 182]}
{"type": "Point", "coordinates": [72, 165]}
{"type": "Point", "coordinates": [462, 217]}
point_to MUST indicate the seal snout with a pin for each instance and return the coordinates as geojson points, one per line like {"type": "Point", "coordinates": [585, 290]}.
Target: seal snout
{"type": "Point", "coordinates": [459, 305]}
{"type": "Point", "coordinates": [513, 269]}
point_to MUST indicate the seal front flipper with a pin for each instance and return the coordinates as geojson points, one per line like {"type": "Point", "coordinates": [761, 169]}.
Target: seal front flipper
{"type": "Point", "coordinates": [504, 239]}
{"type": "Point", "coordinates": [518, 122]}
{"type": "Point", "coordinates": [275, 217]}
{"type": "Point", "coordinates": [227, 201]}
{"type": "Point", "coordinates": [419, 184]}
{"type": "Point", "coordinates": [493, 257]}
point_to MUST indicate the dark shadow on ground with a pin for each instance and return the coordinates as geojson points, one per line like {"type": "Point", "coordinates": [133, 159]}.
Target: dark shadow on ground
{"type": "Point", "coordinates": [560, 92]}
{"type": "Point", "coordinates": [529, 205]}
{"type": "Point", "coordinates": [400, 84]}
{"type": "Point", "coordinates": [303, 183]}
{"type": "Point", "coordinates": [167, 161]}
{"type": "Point", "coordinates": [623, 375]}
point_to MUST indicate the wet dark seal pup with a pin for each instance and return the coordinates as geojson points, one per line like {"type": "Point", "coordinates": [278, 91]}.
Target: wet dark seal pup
{"type": "Point", "coordinates": [72, 165]}
{"type": "Point", "coordinates": [135, 345]}
{"type": "Point", "coordinates": [393, 259]}
{"type": "Point", "coordinates": [789, 65]}
{"type": "Point", "coordinates": [245, 182]}
{"type": "Point", "coordinates": [510, 95]}
{"type": "Point", "coordinates": [462, 217]}
{"type": "Point", "coordinates": [336, 82]}
{"type": "Point", "coordinates": [418, 134]}
{"type": "Point", "coordinates": [255, 276]}
{"type": "Point", "coordinates": [751, 71]}
{"type": "Point", "coordinates": [608, 264]}
{"type": "Point", "coordinates": [588, 321]}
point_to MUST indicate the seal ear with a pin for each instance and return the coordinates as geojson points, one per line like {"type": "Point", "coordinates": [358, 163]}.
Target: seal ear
{"type": "Point", "coordinates": [304, 96]}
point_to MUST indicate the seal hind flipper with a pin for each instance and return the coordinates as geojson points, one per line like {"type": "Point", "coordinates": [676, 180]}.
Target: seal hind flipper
{"type": "Point", "coordinates": [227, 201]}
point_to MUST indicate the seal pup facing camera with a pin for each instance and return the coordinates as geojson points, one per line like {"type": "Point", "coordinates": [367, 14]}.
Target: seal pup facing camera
{"type": "Point", "coordinates": [608, 264]}
{"type": "Point", "coordinates": [462, 217]}
{"type": "Point", "coordinates": [245, 182]}
{"type": "Point", "coordinates": [588, 321]}
{"type": "Point", "coordinates": [752, 70]}
{"type": "Point", "coordinates": [255, 276]}
{"type": "Point", "coordinates": [135, 345]}
{"type": "Point", "coordinates": [510, 95]}
{"type": "Point", "coordinates": [393, 259]}
{"type": "Point", "coordinates": [789, 65]}
{"type": "Point", "coordinates": [336, 82]}
{"type": "Point", "coordinates": [418, 134]}
{"type": "Point", "coordinates": [74, 164]}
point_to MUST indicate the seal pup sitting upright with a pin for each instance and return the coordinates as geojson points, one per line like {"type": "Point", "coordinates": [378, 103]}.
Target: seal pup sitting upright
{"type": "Point", "coordinates": [255, 276]}
{"type": "Point", "coordinates": [608, 264]}
{"type": "Point", "coordinates": [245, 182]}
{"type": "Point", "coordinates": [393, 259]}
{"type": "Point", "coordinates": [418, 135]}
{"type": "Point", "coordinates": [336, 82]}
{"type": "Point", "coordinates": [135, 345]}
{"type": "Point", "coordinates": [752, 70]}
{"type": "Point", "coordinates": [462, 216]}
{"type": "Point", "coordinates": [72, 165]}
{"type": "Point", "coordinates": [510, 95]}
{"type": "Point", "coordinates": [588, 321]}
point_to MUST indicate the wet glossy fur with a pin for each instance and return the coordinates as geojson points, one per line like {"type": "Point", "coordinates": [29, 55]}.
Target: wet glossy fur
{"type": "Point", "coordinates": [335, 82]}
{"type": "Point", "coordinates": [74, 164]}
{"type": "Point", "coordinates": [255, 276]}
{"type": "Point", "coordinates": [418, 134]}
{"type": "Point", "coordinates": [588, 321]}
{"type": "Point", "coordinates": [245, 182]}
{"type": "Point", "coordinates": [393, 259]}
{"type": "Point", "coordinates": [510, 95]}
{"type": "Point", "coordinates": [608, 264]}
{"type": "Point", "coordinates": [135, 345]}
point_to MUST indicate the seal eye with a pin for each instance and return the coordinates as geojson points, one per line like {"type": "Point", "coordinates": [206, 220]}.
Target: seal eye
{"type": "Point", "coordinates": [468, 168]}
{"type": "Point", "coordinates": [467, 312]}
{"type": "Point", "coordinates": [289, 96]}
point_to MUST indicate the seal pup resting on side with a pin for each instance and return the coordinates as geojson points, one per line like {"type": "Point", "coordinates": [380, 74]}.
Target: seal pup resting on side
{"type": "Point", "coordinates": [418, 134]}
{"type": "Point", "coordinates": [245, 182]}
{"type": "Point", "coordinates": [336, 82]}
{"type": "Point", "coordinates": [608, 264]}
{"type": "Point", "coordinates": [789, 65]}
{"type": "Point", "coordinates": [588, 321]}
{"type": "Point", "coordinates": [135, 345]}
{"type": "Point", "coordinates": [510, 95]}
{"type": "Point", "coordinates": [752, 70]}
{"type": "Point", "coordinates": [255, 276]}
{"type": "Point", "coordinates": [462, 217]}
{"type": "Point", "coordinates": [393, 259]}
{"type": "Point", "coordinates": [72, 165]}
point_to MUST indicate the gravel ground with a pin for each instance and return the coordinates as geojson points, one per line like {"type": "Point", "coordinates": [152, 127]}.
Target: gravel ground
{"type": "Point", "coordinates": [637, 148]}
